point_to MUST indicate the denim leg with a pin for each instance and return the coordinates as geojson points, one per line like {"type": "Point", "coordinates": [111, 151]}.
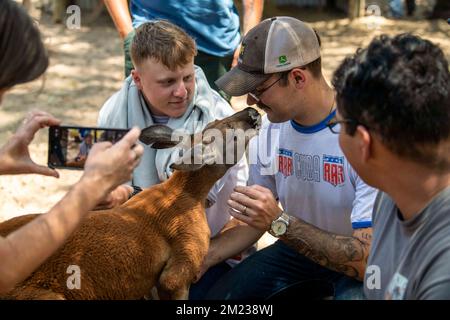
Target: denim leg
{"type": "Point", "coordinates": [347, 288]}
{"type": "Point", "coordinates": [268, 271]}
{"type": "Point", "coordinates": [199, 289]}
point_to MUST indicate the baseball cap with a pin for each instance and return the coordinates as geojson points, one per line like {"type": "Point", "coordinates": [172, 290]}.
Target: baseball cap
{"type": "Point", "coordinates": [275, 45]}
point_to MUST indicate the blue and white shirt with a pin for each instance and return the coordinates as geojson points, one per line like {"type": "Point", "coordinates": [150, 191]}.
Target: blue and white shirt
{"type": "Point", "coordinates": [214, 24]}
{"type": "Point", "coordinates": [306, 169]}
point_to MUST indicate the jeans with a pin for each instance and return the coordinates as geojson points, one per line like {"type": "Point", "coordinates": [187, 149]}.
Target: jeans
{"type": "Point", "coordinates": [269, 271]}
{"type": "Point", "coordinates": [199, 289]}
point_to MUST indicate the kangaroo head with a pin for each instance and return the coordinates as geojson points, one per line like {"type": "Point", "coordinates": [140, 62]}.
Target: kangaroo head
{"type": "Point", "coordinates": [221, 144]}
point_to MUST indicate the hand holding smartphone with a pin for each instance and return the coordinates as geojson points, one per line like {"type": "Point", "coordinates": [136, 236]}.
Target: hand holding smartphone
{"type": "Point", "coordinates": [69, 146]}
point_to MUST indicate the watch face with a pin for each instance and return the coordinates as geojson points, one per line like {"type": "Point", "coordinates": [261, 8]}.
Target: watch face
{"type": "Point", "coordinates": [279, 228]}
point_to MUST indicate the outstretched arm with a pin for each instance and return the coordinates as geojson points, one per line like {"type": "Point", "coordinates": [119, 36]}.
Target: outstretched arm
{"type": "Point", "coordinates": [345, 254]}
{"type": "Point", "coordinates": [22, 251]}
{"type": "Point", "coordinates": [120, 14]}
{"type": "Point", "coordinates": [253, 10]}
{"type": "Point", "coordinates": [252, 14]}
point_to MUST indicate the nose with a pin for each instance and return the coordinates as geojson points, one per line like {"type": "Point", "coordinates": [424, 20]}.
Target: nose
{"type": "Point", "coordinates": [180, 90]}
{"type": "Point", "coordinates": [251, 100]}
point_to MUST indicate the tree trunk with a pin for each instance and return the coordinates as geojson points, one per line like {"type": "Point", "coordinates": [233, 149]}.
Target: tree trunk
{"type": "Point", "coordinates": [356, 8]}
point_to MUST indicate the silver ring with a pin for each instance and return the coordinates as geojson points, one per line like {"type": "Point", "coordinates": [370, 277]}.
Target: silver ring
{"type": "Point", "coordinates": [244, 212]}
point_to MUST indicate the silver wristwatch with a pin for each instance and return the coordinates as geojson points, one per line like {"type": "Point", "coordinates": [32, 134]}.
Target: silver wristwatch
{"type": "Point", "coordinates": [279, 226]}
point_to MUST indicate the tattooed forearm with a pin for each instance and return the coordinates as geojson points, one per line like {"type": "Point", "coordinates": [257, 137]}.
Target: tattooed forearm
{"type": "Point", "coordinates": [347, 255]}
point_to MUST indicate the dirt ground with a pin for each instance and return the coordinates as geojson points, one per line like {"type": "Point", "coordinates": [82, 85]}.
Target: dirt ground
{"type": "Point", "coordinates": [86, 68]}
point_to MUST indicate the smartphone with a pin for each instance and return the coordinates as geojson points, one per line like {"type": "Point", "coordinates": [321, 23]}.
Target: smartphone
{"type": "Point", "coordinates": [69, 146]}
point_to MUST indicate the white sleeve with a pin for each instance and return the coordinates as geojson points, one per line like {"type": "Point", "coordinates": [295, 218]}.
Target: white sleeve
{"type": "Point", "coordinates": [263, 160]}
{"type": "Point", "coordinates": [218, 215]}
{"type": "Point", "coordinates": [237, 175]}
{"type": "Point", "coordinates": [365, 195]}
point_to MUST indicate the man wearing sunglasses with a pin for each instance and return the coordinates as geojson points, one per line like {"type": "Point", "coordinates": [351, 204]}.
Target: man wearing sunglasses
{"type": "Point", "coordinates": [324, 226]}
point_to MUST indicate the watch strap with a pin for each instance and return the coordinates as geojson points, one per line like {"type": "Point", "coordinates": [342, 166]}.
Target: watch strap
{"type": "Point", "coordinates": [136, 190]}
{"type": "Point", "coordinates": [284, 217]}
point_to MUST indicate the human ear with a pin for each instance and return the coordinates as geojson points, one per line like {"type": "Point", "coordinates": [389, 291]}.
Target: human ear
{"type": "Point", "coordinates": [364, 142]}
{"type": "Point", "coordinates": [299, 77]}
{"type": "Point", "coordinates": [136, 78]}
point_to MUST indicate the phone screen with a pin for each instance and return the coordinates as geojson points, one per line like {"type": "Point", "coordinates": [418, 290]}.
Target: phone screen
{"type": "Point", "coordinates": [69, 146]}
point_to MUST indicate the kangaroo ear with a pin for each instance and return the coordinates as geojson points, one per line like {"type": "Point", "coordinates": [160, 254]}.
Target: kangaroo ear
{"type": "Point", "coordinates": [158, 137]}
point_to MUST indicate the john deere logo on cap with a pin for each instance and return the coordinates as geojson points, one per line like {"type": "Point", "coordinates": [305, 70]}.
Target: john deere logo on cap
{"type": "Point", "coordinates": [282, 61]}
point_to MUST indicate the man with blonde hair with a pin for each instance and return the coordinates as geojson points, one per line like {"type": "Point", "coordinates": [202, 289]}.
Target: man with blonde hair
{"type": "Point", "coordinates": [214, 24]}
{"type": "Point", "coordinates": [167, 88]}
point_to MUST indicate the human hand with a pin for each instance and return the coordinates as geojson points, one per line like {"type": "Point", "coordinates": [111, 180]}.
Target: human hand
{"type": "Point", "coordinates": [15, 156]}
{"type": "Point", "coordinates": [203, 268]}
{"type": "Point", "coordinates": [111, 165]}
{"type": "Point", "coordinates": [254, 205]}
{"type": "Point", "coordinates": [115, 198]}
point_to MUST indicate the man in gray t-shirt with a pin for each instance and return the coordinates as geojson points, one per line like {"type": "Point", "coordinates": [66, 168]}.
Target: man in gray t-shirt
{"type": "Point", "coordinates": [394, 110]}
{"type": "Point", "coordinates": [414, 254]}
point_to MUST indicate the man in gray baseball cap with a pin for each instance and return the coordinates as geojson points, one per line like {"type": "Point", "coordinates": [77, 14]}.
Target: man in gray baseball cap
{"type": "Point", "coordinates": [324, 226]}
{"type": "Point", "coordinates": [276, 45]}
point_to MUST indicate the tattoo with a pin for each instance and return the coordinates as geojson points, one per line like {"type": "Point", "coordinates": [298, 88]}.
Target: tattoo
{"type": "Point", "coordinates": [347, 255]}
{"type": "Point", "coordinates": [366, 237]}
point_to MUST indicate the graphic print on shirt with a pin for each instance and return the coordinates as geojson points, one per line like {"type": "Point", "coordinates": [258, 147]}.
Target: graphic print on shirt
{"type": "Point", "coordinates": [285, 162]}
{"type": "Point", "coordinates": [307, 167]}
{"type": "Point", "coordinates": [397, 287]}
{"type": "Point", "coordinates": [333, 170]}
